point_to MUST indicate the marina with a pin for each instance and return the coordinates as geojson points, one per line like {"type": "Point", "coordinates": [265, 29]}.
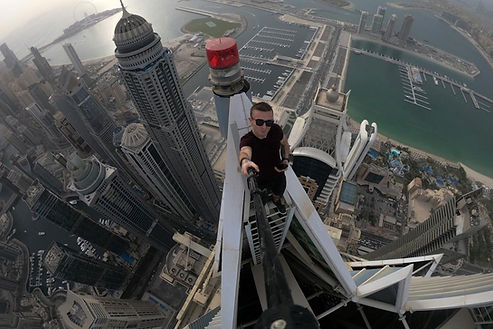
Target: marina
{"type": "Point", "coordinates": [270, 42]}
{"type": "Point", "coordinates": [479, 101]}
{"type": "Point", "coordinates": [413, 93]}
{"type": "Point", "coordinates": [270, 57]}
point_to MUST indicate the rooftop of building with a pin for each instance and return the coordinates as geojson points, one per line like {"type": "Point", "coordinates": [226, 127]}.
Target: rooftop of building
{"type": "Point", "coordinates": [134, 136]}
{"type": "Point", "coordinates": [348, 193]}
{"type": "Point", "coordinates": [331, 98]}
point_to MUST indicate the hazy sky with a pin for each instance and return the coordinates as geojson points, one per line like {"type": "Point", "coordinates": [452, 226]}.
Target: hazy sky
{"type": "Point", "coordinates": [16, 13]}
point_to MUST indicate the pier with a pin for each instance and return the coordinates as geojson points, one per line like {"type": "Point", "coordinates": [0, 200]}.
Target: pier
{"type": "Point", "coordinates": [413, 94]}
{"type": "Point", "coordinates": [474, 95]}
{"type": "Point", "coordinates": [474, 100]}
{"type": "Point", "coordinates": [463, 95]}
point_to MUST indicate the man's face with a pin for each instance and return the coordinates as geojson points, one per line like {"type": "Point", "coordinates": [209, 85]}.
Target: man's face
{"type": "Point", "coordinates": [261, 131]}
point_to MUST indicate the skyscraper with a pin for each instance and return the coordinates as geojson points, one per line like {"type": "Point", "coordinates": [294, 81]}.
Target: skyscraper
{"type": "Point", "coordinates": [67, 264]}
{"type": "Point", "coordinates": [33, 169]}
{"type": "Point", "coordinates": [366, 136]}
{"type": "Point", "coordinates": [74, 138]}
{"type": "Point", "coordinates": [11, 60]}
{"type": "Point", "coordinates": [47, 205]}
{"type": "Point", "coordinates": [100, 187]}
{"type": "Point", "coordinates": [91, 121]}
{"type": "Point", "coordinates": [406, 28]}
{"type": "Point", "coordinates": [74, 58]}
{"type": "Point", "coordinates": [86, 114]}
{"type": "Point", "coordinates": [376, 26]}
{"type": "Point", "coordinates": [143, 156]}
{"type": "Point", "coordinates": [151, 79]}
{"type": "Point", "coordinates": [43, 66]}
{"type": "Point", "coordinates": [85, 311]}
{"type": "Point", "coordinates": [8, 105]}
{"type": "Point", "coordinates": [362, 21]}
{"type": "Point", "coordinates": [40, 96]}
{"type": "Point", "coordinates": [390, 28]}
{"type": "Point", "coordinates": [47, 122]}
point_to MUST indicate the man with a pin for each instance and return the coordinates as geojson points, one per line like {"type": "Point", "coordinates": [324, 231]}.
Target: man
{"type": "Point", "coordinates": [259, 149]}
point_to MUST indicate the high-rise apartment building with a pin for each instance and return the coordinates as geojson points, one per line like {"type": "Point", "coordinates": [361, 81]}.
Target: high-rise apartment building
{"type": "Point", "coordinates": [43, 66]}
{"type": "Point", "coordinates": [100, 187]}
{"type": "Point", "coordinates": [39, 93]}
{"type": "Point", "coordinates": [7, 104]}
{"type": "Point", "coordinates": [363, 20]}
{"type": "Point", "coordinates": [376, 26]}
{"type": "Point", "coordinates": [406, 28]}
{"type": "Point", "coordinates": [144, 157]}
{"type": "Point", "coordinates": [11, 60]}
{"type": "Point", "coordinates": [151, 79]}
{"type": "Point", "coordinates": [47, 205]}
{"type": "Point", "coordinates": [35, 170]}
{"type": "Point", "coordinates": [366, 136]}
{"type": "Point", "coordinates": [74, 58]}
{"type": "Point", "coordinates": [87, 115]}
{"type": "Point", "coordinates": [74, 138]}
{"type": "Point", "coordinates": [92, 122]}
{"type": "Point", "coordinates": [67, 264]}
{"type": "Point", "coordinates": [390, 28]}
{"type": "Point", "coordinates": [47, 122]}
{"type": "Point", "coordinates": [86, 311]}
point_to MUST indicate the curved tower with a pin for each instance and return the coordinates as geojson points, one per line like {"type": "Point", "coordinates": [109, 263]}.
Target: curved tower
{"type": "Point", "coordinates": [151, 79]}
{"type": "Point", "coordinates": [99, 186]}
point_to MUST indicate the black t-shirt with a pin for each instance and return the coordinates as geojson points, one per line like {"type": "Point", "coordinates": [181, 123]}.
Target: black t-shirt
{"type": "Point", "coordinates": [265, 152]}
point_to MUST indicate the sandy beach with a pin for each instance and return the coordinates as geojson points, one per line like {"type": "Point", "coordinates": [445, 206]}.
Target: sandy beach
{"type": "Point", "coordinates": [417, 153]}
{"type": "Point", "coordinates": [477, 177]}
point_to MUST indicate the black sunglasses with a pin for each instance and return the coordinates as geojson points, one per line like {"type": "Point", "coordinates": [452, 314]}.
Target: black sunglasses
{"type": "Point", "coordinates": [260, 122]}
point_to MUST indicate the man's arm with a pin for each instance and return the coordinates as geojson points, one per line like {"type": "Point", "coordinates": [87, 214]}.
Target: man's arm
{"type": "Point", "coordinates": [245, 160]}
{"type": "Point", "coordinates": [284, 154]}
{"type": "Point", "coordinates": [285, 150]}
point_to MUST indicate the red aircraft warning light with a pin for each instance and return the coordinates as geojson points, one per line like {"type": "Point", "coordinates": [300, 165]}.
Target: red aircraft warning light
{"type": "Point", "coordinates": [222, 53]}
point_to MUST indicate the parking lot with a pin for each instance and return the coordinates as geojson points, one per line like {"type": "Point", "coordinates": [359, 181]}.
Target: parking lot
{"type": "Point", "coordinates": [269, 42]}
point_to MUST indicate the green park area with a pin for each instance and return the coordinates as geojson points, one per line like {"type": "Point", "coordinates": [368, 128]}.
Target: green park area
{"type": "Point", "coordinates": [210, 26]}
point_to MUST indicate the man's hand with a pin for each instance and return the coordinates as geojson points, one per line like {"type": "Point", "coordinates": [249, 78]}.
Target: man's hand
{"type": "Point", "coordinates": [247, 164]}
{"type": "Point", "coordinates": [286, 162]}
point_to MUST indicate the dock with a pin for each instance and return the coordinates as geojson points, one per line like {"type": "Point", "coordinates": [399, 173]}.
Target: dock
{"type": "Point", "coordinates": [413, 94]}
{"type": "Point", "coordinates": [453, 90]}
{"type": "Point", "coordinates": [463, 95]}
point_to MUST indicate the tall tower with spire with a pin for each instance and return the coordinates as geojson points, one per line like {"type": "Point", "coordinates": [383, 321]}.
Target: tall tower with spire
{"type": "Point", "coordinates": [151, 79]}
